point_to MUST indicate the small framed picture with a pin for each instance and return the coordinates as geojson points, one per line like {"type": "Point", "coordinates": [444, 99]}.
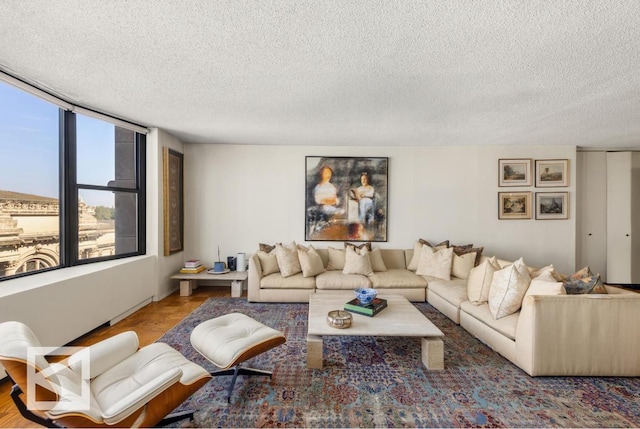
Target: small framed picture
{"type": "Point", "coordinates": [514, 205]}
{"type": "Point", "coordinates": [552, 173]}
{"type": "Point", "coordinates": [514, 172]}
{"type": "Point", "coordinates": [552, 205]}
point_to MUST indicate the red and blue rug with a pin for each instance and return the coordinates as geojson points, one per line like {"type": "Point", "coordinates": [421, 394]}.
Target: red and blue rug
{"type": "Point", "coordinates": [381, 382]}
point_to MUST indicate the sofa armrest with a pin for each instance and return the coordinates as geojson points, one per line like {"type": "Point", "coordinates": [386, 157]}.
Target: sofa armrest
{"type": "Point", "coordinates": [255, 275]}
{"type": "Point", "coordinates": [584, 335]}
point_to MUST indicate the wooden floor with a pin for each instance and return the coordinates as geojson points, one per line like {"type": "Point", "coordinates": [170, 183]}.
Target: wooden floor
{"type": "Point", "coordinates": [150, 323]}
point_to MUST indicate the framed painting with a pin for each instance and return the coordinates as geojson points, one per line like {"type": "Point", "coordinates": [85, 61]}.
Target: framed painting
{"type": "Point", "coordinates": [552, 205]}
{"type": "Point", "coordinates": [346, 198]}
{"type": "Point", "coordinates": [552, 173]}
{"type": "Point", "coordinates": [173, 201]}
{"type": "Point", "coordinates": [514, 172]}
{"type": "Point", "coordinates": [514, 205]}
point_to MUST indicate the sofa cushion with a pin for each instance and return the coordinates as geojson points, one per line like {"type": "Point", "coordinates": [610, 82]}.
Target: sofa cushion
{"type": "Point", "coordinates": [505, 325]}
{"type": "Point", "coordinates": [357, 262]}
{"type": "Point", "coordinates": [288, 261]}
{"type": "Point", "coordinates": [468, 248]}
{"type": "Point", "coordinates": [354, 246]}
{"type": "Point", "coordinates": [310, 261]}
{"type": "Point", "coordinates": [453, 291]}
{"type": "Point", "coordinates": [268, 262]}
{"type": "Point", "coordinates": [266, 247]}
{"type": "Point", "coordinates": [462, 264]}
{"type": "Point", "coordinates": [435, 264]}
{"type": "Point", "coordinates": [377, 263]}
{"type": "Point", "coordinates": [296, 281]}
{"type": "Point", "coordinates": [336, 259]}
{"type": "Point", "coordinates": [335, 279]}
{"type": "Point", "coordinates": [397, 278]}
{"type": "Point", "coordinates": [507, 289]}
{"type": "Point", "coordinates": [417, 250]}
{"type": "Point", "coordinates": [479, 281]}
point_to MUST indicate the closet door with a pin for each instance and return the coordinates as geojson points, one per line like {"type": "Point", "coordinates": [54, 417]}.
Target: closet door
{"type": "Point", "coordinates": [591, 215]}
{"type": "Point", "coordinates": [622, 212]}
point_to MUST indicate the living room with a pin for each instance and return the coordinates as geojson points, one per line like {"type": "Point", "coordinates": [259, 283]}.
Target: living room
{"type": "Point", "coordinates": [244, 182]}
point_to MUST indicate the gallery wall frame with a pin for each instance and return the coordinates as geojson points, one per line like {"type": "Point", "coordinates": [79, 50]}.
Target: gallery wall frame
{"type": "Point", "coordinates": [552, 205]}
{"type": "Point", "coordinates": [514, 205]}
{"type": "Point", "coordinates": [346, 198]}
{"type": "Point", "coordinates": [552, 173]}
{"type": "Point", "coordinates": [173, 200]}
{"type": "Point", "coordinates": [514, 172]}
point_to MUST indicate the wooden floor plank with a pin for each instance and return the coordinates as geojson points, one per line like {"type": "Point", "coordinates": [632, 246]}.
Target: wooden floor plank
{"type": "Point", "coordinates": [150, 323]}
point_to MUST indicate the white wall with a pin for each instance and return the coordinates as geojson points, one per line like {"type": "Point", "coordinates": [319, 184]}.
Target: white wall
{"type": "Point", "coordinates": [239, 196]}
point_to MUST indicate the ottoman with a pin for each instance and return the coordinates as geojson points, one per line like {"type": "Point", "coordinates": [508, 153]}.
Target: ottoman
{"type": "Point", "coordinates": [229, 340]}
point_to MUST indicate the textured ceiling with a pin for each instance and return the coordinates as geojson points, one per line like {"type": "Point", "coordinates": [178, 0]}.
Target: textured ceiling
{"type": "Point", "coordinates": [351, 72]}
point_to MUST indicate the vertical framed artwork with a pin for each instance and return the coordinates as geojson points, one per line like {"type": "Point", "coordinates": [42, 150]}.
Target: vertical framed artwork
{"type": "Point", "coordinates": [552, 173]}
{"type": "Point", "coordinates": [514, 205]}
{"type": "Point", "coordinates": [514, 172]}
{"type": "Point", "coordinates": [346, 198]}
{"type": "Point", "coordinates": [173, 201]}
{"type": "Point", "coordinates": [552, 205]}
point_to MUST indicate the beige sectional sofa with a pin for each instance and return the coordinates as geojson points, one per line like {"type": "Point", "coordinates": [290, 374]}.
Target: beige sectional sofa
{"type": "Point", "coordinates": [562, 335]}
{"type": "Point", "coordinates": [568, 335]}
{"type": "Point", "coordinates": [396, 279]}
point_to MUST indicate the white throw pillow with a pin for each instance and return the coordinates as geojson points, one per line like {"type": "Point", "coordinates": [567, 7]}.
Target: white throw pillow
{"type": "Point", "coordinates": [507, 290]}
{"type": "Point", "coordinates": [357, 262]}
{"type": "Point", "coordinates": [288, 261]}
{"type": "Point", "coordinates": [479, 281]}
{"type": "Point", "coordinates": [435, 264]}
{"type": "Point", "coordinates": [462, 265]}
{"type": "Point", "coordinates": [268, 262]}
{"type": "Point", "coordinates": [310, 261]}
{"type": "Point", "coordinates": [542, 287]}
{"type": "Point", "coordinates": [377, 264]}
{"type": "Point", "coordinates": [336, 259]}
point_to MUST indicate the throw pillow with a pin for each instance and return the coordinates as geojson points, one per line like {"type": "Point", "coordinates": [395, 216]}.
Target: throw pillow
{"type": "Point", "coordinates": [585, 285]}
{"type": "Point", "coordinates": [462, 265]}
{"type": "Point", "coordinates": [358, 246]}
{"type": "Point", "coordinates": [268, 262]}
{"type": "Point", "coordinates": [357, 262]}
{"type": "Point", "coordinates": [479, 281]}
{"type": "Point", "coordinates": [584, 281]}
{"type": "Point", "coordinates": [266, 247]}
{"type": "Point", "coordinates": [507, 291]}
{"type": "Point", "coordinates": [435, 264]}
{"type": "Point", "coordinates": [541, 287]}
{"type": "Point", "coordinates": [417, 249]}
{"type": "Point", "coordinates": [377, 264]}
{"type": "Point", "coordinates": [548, 270]}
{"type": "Point", "coordinates": [288, 261]}
{"type": "Point", "coordinates": [336, 259]}
{"type": "Point", "coordinates": [463, 250]}
{"type": "Point", "coordinates": [310, 261]}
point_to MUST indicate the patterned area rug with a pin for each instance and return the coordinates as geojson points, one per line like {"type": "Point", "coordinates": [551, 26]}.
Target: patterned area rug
{"type": "Point", "coordinates": [381, 382]}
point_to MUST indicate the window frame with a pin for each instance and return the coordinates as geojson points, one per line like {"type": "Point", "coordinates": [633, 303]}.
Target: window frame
{"type": "Point", "coordinates": [69, 190]}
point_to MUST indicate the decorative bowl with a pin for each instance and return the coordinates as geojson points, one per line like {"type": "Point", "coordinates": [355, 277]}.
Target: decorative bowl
{"type": "Point", "coordinates": [365, 295]}
{"type": "Point", "coordinates": [339, 319]}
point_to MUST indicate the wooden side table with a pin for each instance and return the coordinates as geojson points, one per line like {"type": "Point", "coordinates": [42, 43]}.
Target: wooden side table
{"type": "Point", "coordinates": [189, 282]}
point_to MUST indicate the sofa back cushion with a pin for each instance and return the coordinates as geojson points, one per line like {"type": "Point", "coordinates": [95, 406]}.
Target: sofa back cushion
{"type": "Point", "coordinates": [393, 258]}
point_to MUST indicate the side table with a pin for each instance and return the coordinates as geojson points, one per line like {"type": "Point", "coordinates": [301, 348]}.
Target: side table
{"type": "Point", "coordinates": [189, 282]}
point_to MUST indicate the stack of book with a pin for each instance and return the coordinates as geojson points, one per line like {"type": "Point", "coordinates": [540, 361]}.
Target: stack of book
{"type": "Point", "coordinates": [193, 266]}
{"type": "Point", "coordinates": [371, 309]}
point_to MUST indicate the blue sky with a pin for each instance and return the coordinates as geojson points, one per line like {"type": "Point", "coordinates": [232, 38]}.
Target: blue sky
{"type": "Point", "coordinates": [29, 158]}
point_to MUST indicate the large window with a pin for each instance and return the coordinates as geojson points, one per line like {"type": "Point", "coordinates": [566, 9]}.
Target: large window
{"type": "Point", "coordinates": [71, 187]}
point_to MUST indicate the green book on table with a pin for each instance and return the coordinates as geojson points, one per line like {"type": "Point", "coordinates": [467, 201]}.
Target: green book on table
{"type": "Point", "coordinates": [371, 309]}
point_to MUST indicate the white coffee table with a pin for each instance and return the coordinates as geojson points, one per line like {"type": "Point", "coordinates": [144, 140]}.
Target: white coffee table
{"type": "Point", "coordinates": [399, 319]}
